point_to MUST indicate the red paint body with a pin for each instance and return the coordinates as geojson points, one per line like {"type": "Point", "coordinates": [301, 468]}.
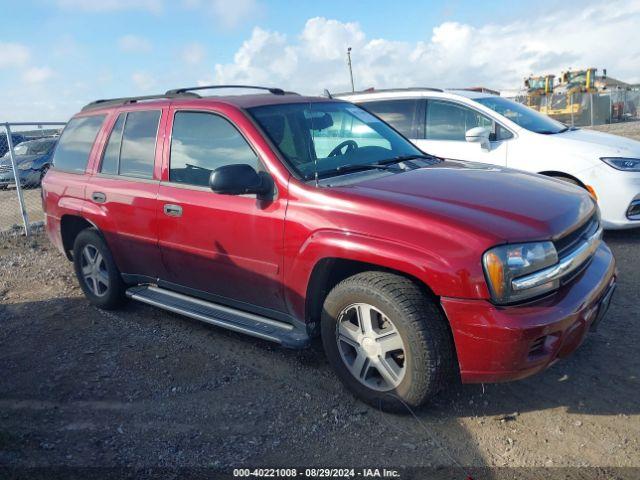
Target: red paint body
{"type": "Point", "coordinates": [431, 224]}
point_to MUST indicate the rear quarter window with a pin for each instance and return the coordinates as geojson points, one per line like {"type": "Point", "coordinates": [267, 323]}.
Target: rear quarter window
{"type": "Point", "coordinates": [76, 141]}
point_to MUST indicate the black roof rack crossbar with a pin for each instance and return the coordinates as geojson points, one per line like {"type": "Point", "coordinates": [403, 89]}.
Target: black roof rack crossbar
{"type": "Point", "coordinates": [275, 91]}
{"type": "Point", "coordinates": [111, 102]}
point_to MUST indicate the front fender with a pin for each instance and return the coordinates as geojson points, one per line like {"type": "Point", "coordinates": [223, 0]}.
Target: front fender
{"type": "Point", "coordinates": [442, 272]}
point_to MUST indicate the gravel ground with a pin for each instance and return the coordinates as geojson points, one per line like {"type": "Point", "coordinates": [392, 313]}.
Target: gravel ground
{"type": "Point", "coordinates": [142, 388]}
{"type": "Point", "coordinates": [625, 129]}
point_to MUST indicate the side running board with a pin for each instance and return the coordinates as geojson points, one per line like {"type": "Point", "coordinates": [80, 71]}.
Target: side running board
{"type": "Point", "coordinates": [220, 315]}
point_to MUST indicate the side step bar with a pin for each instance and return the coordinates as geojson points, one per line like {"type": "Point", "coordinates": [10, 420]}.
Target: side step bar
{"type": "Point", "coordinates": [220, 315]}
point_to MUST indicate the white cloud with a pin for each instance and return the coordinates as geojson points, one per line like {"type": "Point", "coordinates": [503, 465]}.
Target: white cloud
{"type": "Point", "coordinates": [452, 55]}
{"type": "Point", "coordinates": [13, 55]}
{"type": "Point", "coordinates": [153, 6]}
{"type": "Point", "coordinates": [193, 54]}
{"type": "Point", "coordinates": [134, 44]}
{"type": "Point", "coordinates": [228, 13]}
{"type": "Point", "coordinates": [37, 74]}
{"type": "Point", "coordinates": [143, 81]}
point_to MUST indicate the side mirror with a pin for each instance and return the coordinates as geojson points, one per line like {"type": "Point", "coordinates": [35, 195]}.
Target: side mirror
{"type": "Point", "coordinates": [239, 179]}
{"type": "Point", "coordinates": [478, 135]}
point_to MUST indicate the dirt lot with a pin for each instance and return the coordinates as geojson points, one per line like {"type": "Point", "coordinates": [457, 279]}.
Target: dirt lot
{"type": "Point", "coordinates": [626, 129]}
{"type": "Point", "coordinates": [10, 207]}
{"type": "Point", "coordinates": [142, 388]}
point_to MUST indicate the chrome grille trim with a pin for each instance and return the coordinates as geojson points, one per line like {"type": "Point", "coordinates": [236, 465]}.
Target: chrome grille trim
{"type": "Point", "coordinates": [566, 266]}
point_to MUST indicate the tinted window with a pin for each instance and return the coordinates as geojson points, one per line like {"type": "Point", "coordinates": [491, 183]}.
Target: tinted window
{"type": "Point", "coordinates": [72, 153]}
{"type": "Point", "coordinates": [449, 121]}
{"type": "Point", "coordinates": [202, 142]}
{"type": "Point", "coordinates": [112, 153]}
{"type": "Point", "coordinates": [399, 113]}
{"type": "Point", "coordinates": [137, 152]}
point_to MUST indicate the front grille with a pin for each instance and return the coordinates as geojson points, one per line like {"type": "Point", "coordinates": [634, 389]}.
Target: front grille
{"type": "Point", "coordinates": [572, 240]}
{"type": "Point", "coordinates": [6, 168]}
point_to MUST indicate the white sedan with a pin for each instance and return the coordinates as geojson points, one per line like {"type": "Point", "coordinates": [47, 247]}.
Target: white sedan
{"type": "Point", "coordinates": [479, 127]}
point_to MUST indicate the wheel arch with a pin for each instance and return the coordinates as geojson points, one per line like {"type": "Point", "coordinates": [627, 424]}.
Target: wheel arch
{"type": "Point", "coordinates": [554, 173]}
{"type": "Point", "coordinates": [70, 228]}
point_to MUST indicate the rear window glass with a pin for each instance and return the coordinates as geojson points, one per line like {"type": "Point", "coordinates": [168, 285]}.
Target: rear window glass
{"type": "Point", "coordinates": [74, 147]}
{"type": "Point", "coordinates": [138, 149]}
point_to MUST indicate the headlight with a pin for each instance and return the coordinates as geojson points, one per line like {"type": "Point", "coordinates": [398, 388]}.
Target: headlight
{"type": "Point", "coordinates": [504, 263]}
{"type": "Point", "coordinates": [25, 166]}
{"type": "Point", "coordinates": [623, 163]}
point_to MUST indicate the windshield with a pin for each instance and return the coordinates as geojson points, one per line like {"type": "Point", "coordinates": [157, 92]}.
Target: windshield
{"type": "Point", "coordinates": [522, 115]}
{"type": "Point", "coordinates": [32, 148]}
{"type": "Point", "coordinates": [326, 137]}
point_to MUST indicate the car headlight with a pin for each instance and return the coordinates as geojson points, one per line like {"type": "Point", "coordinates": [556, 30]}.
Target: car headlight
{"type": "Point", "coordinates": [25, 166]}
{"type": "Point", "coordinates": [623, 163]}
{"type": "Point", "coordinates": [505, 263]}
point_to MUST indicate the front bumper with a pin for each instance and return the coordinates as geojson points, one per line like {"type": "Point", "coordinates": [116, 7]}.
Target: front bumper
{"type": "Point", "coordinates": [496, 344]}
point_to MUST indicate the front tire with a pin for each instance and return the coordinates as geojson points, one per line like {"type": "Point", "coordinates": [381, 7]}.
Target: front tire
{"type": "Point", "coordinates": [96, 270]}
{"type": "Point", "coordinates": [387, 341]}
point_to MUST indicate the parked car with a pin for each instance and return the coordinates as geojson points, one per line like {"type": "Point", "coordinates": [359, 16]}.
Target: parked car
{"type": "Point", "coordinates": [33, 159]}
{"type": "Point", "coordinates": [287, 217]}
{"type": "Point", "coordinates": [4, 145]}
{"type": "Point", "coordinates": [468, 125]}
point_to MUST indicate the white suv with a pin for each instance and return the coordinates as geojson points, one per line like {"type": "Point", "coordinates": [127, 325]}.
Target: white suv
{"type": "Point", "coordinates": [473, 126]}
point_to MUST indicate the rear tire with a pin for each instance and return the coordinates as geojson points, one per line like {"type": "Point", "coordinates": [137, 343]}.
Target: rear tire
{"type": "Point", "coordinates": [407, 355]}
{"type": "Point", "coordinates": [97, 273]}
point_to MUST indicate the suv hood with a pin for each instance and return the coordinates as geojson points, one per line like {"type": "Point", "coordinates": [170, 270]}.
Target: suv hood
{"type": "Point", "coordinates": [597, 144]}
{"type": "Point", "coordinates": [504, 204]}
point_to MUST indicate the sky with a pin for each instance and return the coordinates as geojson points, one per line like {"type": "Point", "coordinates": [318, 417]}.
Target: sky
{"type": "Point", "coordinates": [57, 55]}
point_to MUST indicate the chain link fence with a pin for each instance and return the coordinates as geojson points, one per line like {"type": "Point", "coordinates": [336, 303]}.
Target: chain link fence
{"type": "Point", "coordinates": [26, 151]}
{"type": "Point", "coordinates": [587, 109]}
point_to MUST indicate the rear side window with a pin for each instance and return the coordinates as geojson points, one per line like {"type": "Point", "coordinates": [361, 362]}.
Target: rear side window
{"type": "Point", "coordinates": [111, 157]}
{"type": "Point", "coordinates": [138, 149]}
{"type": "Point", "coordinates": [76, 141]}
{"type": "Point", "coordinates": [401, 114]}
{"type": "Point", "coordinates": [131, 149]}
{"type": "Point", "coordinates": [202, 142]}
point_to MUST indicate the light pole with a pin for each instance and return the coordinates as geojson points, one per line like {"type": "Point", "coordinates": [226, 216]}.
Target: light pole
{"type": "Point", "coordinates": [353, 89]}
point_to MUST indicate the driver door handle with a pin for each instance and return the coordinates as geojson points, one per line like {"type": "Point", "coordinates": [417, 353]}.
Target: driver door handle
{"type": "Point", "coordinates": [172, 210]}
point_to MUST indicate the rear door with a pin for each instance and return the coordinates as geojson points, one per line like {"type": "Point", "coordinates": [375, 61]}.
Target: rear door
{"type": "Point", "coordinates": [446, 123]}
{"type": "Point", "coordinates": [122, 194]}
{"type": "Point", "coordinates": [224, 247]}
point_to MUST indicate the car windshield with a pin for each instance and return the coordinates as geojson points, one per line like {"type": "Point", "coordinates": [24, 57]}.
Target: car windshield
{"type": "Point", "coordinates": [523, 116]}
{"type": "Point", "coordinates": [331, 138]}
{"type": "Point", "coordinates": [33, 148]}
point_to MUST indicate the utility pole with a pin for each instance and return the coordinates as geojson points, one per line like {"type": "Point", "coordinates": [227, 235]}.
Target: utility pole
{"type": "Point", "coordinates": [353, 88]}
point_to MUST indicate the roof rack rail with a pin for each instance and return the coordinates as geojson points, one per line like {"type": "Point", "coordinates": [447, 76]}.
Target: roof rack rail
{"type": "Point", "coordinates": [387, 90]}
{"type": "Point", "coordinates": [111, 102]}
{"type": "Point", "coordinates": [275, 91]}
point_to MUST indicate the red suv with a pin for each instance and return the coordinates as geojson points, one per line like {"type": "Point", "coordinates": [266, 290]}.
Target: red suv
{"type": "Point", "coordinates": [286, 217]}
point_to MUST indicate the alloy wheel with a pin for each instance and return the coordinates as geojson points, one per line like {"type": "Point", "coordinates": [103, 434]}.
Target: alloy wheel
{"type": "Point", "coordinates": [94, 271]}
{"type": "Point", "coordinates": [371, 347]}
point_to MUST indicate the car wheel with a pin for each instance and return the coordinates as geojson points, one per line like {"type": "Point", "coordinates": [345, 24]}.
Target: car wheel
{"type": "Point", "coordinates": [386, 340]}
{"type": "Point", "coordinates": [97, 273]}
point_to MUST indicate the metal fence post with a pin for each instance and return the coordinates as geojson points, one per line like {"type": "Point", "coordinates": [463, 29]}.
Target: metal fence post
{"type": "Point", "coordinates": [591, 107]}
{"type": "Point", "coordinates": [571, 108]}
{"type": "Point", "coordinates": [16, 176]}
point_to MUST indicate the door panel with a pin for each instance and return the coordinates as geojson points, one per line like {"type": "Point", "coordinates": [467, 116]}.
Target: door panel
{"type": "Point", "coordinates": [445, 128]}
{"type": "Point", "coordinates": [228, 246]}
{"type": "Point", "coordinates": [122, 201]}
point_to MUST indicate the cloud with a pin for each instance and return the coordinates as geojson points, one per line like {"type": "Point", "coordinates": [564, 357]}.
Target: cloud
{"type": "Point", "coordinates": [153, 6]}
{"type": "Point", "coordinates": [193, 54]}
{"type": "Point", "coordinates": [143, 81]}
{"type": "Point", "coordinates": [13, 55]}
{"type": "Point", "coordinates": [134, 44]}
{"type": "Point", "coordinates": [37, 74]}
{"type": "Point", "coordinates": [453, 54]}
{"type": "Point", "coordinates": [229, 14]}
